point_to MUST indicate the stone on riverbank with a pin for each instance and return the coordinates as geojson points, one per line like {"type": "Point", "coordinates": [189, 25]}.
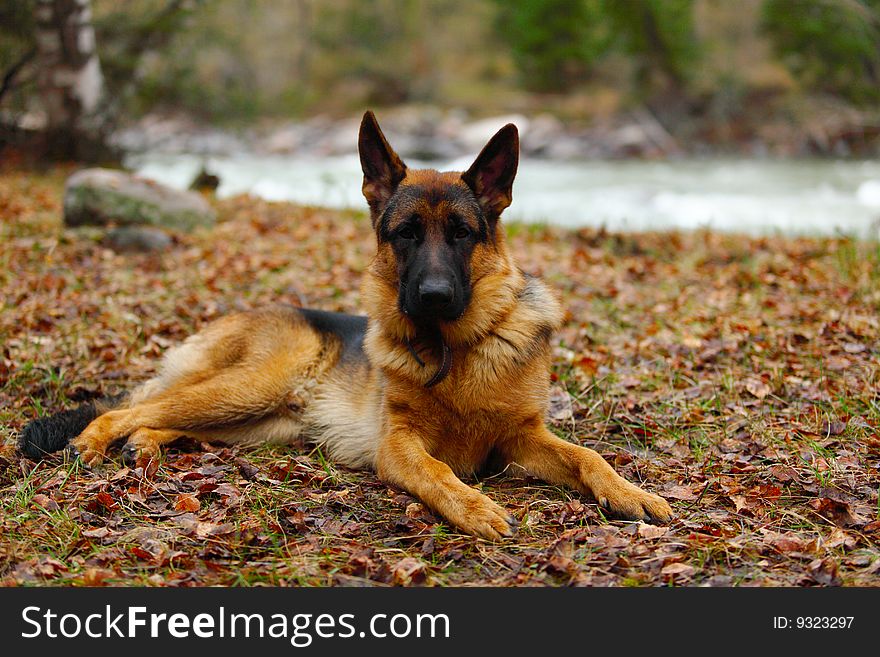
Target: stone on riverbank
{"type": "Point", "coordinates": [105, 196]}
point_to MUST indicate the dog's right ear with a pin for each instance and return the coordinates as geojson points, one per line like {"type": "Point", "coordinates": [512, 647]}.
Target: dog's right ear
{"type": "Point", "coordinates": [383, 169]}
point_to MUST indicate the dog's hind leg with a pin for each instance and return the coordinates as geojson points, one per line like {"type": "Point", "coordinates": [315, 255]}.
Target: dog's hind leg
{"type": "Point", "coordinates": [260, 371]}
{"type": "Point", "coordinates": [233, 397]}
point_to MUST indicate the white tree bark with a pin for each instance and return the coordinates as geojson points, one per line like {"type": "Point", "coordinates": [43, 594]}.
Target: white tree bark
{"type": "Point", "coordinates": [70, 81]}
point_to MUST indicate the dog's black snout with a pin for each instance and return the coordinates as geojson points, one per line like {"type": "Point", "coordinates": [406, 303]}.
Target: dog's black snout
{"type": "Point", "coordinates": [436, 292]}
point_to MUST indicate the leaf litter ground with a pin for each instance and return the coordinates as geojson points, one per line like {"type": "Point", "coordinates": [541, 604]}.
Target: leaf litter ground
{"type": "Point", "coordinates": [736, 376]}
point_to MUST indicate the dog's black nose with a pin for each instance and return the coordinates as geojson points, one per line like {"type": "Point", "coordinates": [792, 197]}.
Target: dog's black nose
{"type": "Point", "coordinates": [435, 292]}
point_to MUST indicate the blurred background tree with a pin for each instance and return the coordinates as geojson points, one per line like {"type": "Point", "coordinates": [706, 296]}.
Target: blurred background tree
{"type": "Point", "coordinates": [555, 44]}
{"type": "Point", "coordinates": [707, 67]}
{"type": "Point", "coordinates": [76, 70]}
{"type": "Point", "coordinates": [831, 46]}
{"type": "Point", "coordinates": [660, 38]}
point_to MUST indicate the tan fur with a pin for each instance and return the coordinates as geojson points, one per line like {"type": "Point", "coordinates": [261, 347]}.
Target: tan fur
{"type": "Point", "coordinates": [268, 376]}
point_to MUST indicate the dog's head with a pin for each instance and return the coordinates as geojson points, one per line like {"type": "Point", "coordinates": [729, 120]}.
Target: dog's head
{"type": "Point", "coordinates": [437, 232]}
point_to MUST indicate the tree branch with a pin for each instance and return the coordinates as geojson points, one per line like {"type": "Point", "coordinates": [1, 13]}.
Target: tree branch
{"type": "Point", "coordinates": [14, 70]}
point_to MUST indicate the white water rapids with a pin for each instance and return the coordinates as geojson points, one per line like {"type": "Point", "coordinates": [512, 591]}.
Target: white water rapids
{"type": "Point", "coordinates": [791, 197]}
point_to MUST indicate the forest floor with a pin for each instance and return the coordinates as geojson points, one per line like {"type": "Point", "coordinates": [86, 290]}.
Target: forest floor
{"type": "Point", "coordinates": [736, 376]}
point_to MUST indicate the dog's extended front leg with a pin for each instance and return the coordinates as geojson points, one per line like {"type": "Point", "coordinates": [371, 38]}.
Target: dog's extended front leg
{"type": "Point", "coordinates": [403, 461]}
{"type": "Point", "coordinates": [91, 445]}
{"type": "Point", "coordinates": [557, 461]}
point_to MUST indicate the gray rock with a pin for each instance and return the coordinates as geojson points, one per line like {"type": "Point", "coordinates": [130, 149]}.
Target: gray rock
{"type": "Point", "coordinates": [104, 196]}
{"type": "Point", "coordinates": [543, 132]}
{"type": "Point", "coordinates": [141, 239]}
{"type": "Point", "coordinates": [475, 135]}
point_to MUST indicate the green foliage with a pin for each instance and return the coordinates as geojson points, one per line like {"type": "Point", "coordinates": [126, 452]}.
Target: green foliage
{"type": "Point", "coordinates": [374, 42]}
{"type": "Point", "coordinates": [126, 32]}
{"type": "Point", "coordinates": [17, 43]}
{"type": "Point", "coordinates": [659, 35]}
{"type": "Point", "coordinates": [557, 43]}
{"type": "Point", "coordinates": [236, 60]}
{"type": "Point", "coordinates": [192, 59]}
{"type": "Point", "coordinates": [554, 43]}
{"type": "Point", "coordinates": [16, 30]}
{"type": "Point", "coordinates": [831, 46]}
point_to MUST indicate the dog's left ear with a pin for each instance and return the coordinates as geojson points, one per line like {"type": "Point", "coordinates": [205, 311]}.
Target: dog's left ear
{"type": "Point", "coordinates": [383, 169]}
{"type": "Point", "coordinates": [491, 175]}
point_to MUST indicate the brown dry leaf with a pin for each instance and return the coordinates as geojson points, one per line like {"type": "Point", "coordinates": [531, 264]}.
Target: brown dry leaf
{"type": "Point", "coordinates": [678, 569]}
{"type": "Point", "coordinates": [560, 408]}
{"type": "Point", "coordinates": [247, 470]}
{"type": "Point", "coordinates": [45, 501]}
{"type": "Point", "coordinates": [187, 502]}
{"type": "Point", "coordinates": [834, 428]}
{"type": "Point", "coordinates": [784, 543]}
{"type": "Point", "coordinates": [98, 532]}
{"type": "Point", "coordinates": [679, 492]}
{"type": "Point", "coordinates": [839, 538]}
{"type": "Point", "coordinates": [106, 500]}
{"type": "Point", "coordinates": [205, 529]}
{"type": "Point", "coordinates": [229, 493]}
{"type": "Point", "coordinates": [742, 503]}
{"type": "Point", "coordinates": [825, 571]}
{"type": "Point", "coordinates": [96, 576]}
{"type": "Point", "coordinates": [757, 388]}
{"type": "Point", "coordinates": [408, 571]}
{"type": "Point", "coordinates": [783, 473]}
{"type": "Point", "coordinates": [652, 531]}
{"type": "Point", "coordinates": [561, 564]}
{"type": "Point", "coordinates": [836, 511]}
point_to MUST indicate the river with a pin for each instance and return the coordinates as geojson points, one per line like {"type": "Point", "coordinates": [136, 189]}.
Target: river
{"type": "Point", "coordinates": [790, 197]}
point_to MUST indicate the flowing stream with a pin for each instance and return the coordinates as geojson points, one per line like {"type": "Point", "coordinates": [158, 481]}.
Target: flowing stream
{"type": "Point", "coordinates": [790, 197]}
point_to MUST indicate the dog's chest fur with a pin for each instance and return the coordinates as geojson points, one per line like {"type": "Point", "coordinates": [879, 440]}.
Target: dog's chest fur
{"type": "Point", "coordinates": [493, 385]}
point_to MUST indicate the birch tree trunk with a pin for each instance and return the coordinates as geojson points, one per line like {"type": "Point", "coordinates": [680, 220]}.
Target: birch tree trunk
{"type": "Point", "coordinates": [70, 82]}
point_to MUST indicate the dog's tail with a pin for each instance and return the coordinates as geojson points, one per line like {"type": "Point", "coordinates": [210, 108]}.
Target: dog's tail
{"type": "Point", "coordinates": [52, 432]}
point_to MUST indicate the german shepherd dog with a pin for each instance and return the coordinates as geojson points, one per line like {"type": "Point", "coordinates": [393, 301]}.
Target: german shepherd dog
{"type": "Point", "coordinates": [448, 374]}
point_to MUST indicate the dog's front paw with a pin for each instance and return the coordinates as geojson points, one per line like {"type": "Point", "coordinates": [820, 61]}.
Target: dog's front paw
{"type": "Point", "coordinates": [476, 514]}
{"type": "Point", "coordinates": [85, 451]}
{"type": "Point", "coordinates": [626, 500]}
{"type": "Point", "coordinates": [138, 449]}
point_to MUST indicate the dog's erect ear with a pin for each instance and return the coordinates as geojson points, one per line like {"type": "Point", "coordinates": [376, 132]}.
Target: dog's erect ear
{"type": "Point", "coordinates": [383, 169]}
{"type": "Point", "coordinates": [491, 175]}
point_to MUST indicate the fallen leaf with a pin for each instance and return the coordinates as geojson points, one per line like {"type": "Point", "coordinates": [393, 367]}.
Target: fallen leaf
{"type": "Point", "coordinates": [757, 388]}
{"type": "Point", "coordinates": [95, 576]}
{"type": "Point", "coordinates": [678, 569]}
{"type": "Point", "coordinates": [836, 511]}
{"type": "Point", "coordinates": [834, 428]}
{"type": "Point", "coordinates": [678, 492]}
{"type": "Point", "coordinates": [187, 502]}
{"type": "Point", "coordinates": [98, 532]}
{"type": "Point", "coordinates": [45, 501]}
{"type": "Point", "coordinates": [559, 409]}
{"type": "Point", "coordinates": [106, 500]}
{"type": "Point", "coordinates": [824, 571]}
{"type": "Point", "coordinates": [408, 571]}
{"type": "Point", "coordinates": [839, 538]}
{"type": "Point", "coordinates": [247, 469]}
{"type": "Point", "coordinates": [652, 531]}
{"type": "Point", "coordinates": [785, 543]}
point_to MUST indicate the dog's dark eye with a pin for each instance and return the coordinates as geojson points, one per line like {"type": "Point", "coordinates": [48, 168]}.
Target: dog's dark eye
{"type": "Point", "coordinates": [406, 233]}
{"type": "Point", "coordinates": [462, 233]}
